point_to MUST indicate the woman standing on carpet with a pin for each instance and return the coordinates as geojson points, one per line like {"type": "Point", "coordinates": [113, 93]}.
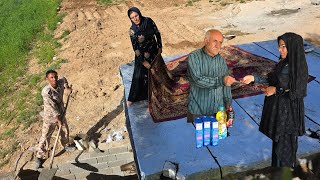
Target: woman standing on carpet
{"type": "Point", "coordinates": [282, 117]}
{"type": "Point", "coordinates": [146, 42]}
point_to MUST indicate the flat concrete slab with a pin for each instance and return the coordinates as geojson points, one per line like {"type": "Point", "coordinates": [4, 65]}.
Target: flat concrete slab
{"type": "Point", "coordinates": [245, 148]}
{"type": "Point", "coordinates": [155, 143]}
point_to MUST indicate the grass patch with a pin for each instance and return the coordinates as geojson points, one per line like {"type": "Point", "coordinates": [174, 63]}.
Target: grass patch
{"type": "Point", "coordinates": [64, 34]}
{"type": "Point", "coordinates": [57, 64]}
{"type": "Point", "coordinates": [34, 79]}
{"type": "Point", "coordinates": [45, 53]}
{"type": "Point", "coordinates": [8, 133]}
{"type": "Point", "coordinates": [189, 3]}
{"type": "Point", "coordinates": [9, 149]}
{"type": "Point", "coordinates": [105, 2]}
{"type": "Point", "coordinates": [109, 2]}
{"type": "Point", "coordinates": [224, 3]}
{"type": "Point", "coordinates": [53, 22]}
{"type": "Point", "coordinates": [45, 47]}
{"type": "Point", "coordinates": [23, 105]}
{"type": "Point", "coordinates": [20, 21]}
{"type": "Point", "coordinates": [25, 26]}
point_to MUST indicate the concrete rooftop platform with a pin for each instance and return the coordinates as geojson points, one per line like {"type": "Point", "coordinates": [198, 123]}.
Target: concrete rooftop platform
{"type": "Point", "coordinates": [246, 148]}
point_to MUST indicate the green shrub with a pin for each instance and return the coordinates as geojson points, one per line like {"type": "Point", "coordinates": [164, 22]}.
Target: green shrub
{"type": "Point", "coordinates": [189, 3]}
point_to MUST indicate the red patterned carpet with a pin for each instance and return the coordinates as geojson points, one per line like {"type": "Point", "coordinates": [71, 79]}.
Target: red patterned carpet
{"type": "Point", "coordinates": [168, 84]}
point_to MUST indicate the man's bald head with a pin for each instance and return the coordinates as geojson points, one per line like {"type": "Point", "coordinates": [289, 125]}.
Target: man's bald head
{"type": "Point", "coordinates": [213, 41]}
{"type": "Point", "coordinates": [213, 33]}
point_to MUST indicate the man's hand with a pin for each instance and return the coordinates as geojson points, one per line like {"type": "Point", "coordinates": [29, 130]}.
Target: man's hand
{"type": "Point", "coordinates": [59, 120]}
{"type": "Point", "coordinates": [146, 64]}
{"type": "Point", "coordinates": [229, 80]}
{"type": "Point", "coordinates": [141, 38]}
{"type": "Point", "coordinates": [69, 89]}
{"type": "Point", "coordinates": [269, 91]}
{"type": "Point", "coordinates": [247, 79]}
{"type": "Point", "coordinates": [137, 53]}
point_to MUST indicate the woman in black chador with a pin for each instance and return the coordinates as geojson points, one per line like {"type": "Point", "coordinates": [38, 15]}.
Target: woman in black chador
{"type": "Point", "coordinates": [283, 111]}
{"type": "Point", "coordinates": [146, 42]}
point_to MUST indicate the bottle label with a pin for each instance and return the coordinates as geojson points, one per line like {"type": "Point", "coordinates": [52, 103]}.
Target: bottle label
{"type": "Point", "coordinates": [206, 124]}
{"type": "Point", "coordinates": [198, 126]}
{"type": "Point", "coordinates": [229, 123]}
{"type": "Point", "coordinates": [199, 135]}
{"type": "Point", "coordinates": [223, 131]}
{"type": "Point", "coordinates": [215, 134]}
{"type": "Point", "coordinates": [215, 125]}
{"type": "Point", "coordinates": [207, 133]}
{"type": "Point", "coordinates": [230, 116]}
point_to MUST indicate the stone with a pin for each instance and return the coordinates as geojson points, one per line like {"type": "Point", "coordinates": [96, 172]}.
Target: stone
{"type": "Point", "coordinates": [169, 170]}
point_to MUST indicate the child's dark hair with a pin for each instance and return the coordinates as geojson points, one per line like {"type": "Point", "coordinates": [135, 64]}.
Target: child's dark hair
{"type": "Point", "coordinates": [50, 71]}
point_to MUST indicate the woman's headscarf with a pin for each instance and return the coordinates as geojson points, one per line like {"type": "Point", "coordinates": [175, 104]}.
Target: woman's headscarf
{"type": "Point", "coordinates": [136, 28]}
{"type": "Point", "coordinates": [298, 68]}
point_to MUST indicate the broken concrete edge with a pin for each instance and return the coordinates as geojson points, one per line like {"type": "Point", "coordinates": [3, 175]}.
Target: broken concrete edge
{"type": "Point", "coordinates": [203, 175]}
{"type": "Point", "coordinates": [209, 174]}
{"type": "Point", "coordinates": [227, 170]}
{"type": "Point", "coordinates": [128, 125]}
{"type": "Point", "coordinates": [314, 157]}
{"type": "Point", "coordinates": [170, 169]}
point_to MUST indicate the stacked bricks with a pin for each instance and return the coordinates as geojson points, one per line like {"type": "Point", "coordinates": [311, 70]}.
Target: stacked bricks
{"type": "Point", "coordinates": [83, 165]}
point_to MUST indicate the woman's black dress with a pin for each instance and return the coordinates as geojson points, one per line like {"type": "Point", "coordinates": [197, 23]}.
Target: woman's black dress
{"type": "Point", "coordinates": [150, 45]}
{"type": "Point", "coordinates": [283, 113]}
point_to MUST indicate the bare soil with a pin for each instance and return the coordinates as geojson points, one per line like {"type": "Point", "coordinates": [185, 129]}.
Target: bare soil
{"type": "Point", "coordinates": [99, 43]}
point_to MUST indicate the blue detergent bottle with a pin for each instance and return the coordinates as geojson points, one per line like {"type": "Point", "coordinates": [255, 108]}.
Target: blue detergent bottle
{"type": "Point", "coordinates": [199, 132]}
{"type": "Point", "coordinates": [206, 130]}
{"type": "Point", "coordinates": [214, 131]}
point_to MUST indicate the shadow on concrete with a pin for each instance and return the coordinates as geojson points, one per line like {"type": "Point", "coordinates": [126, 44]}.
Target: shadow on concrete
{"type": "Point", "coordinates": [28, 174]}
{"type": "Point", "coordinates": [60, 153]}
{"type": "Point", "coordinates": [84, 166]}
{"type": "Point", "coordinates": [94, 133]}
{"type": "Point", "coordinates": [59, 178]}
{"type": "Point", "coordinates": [95, 176]}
